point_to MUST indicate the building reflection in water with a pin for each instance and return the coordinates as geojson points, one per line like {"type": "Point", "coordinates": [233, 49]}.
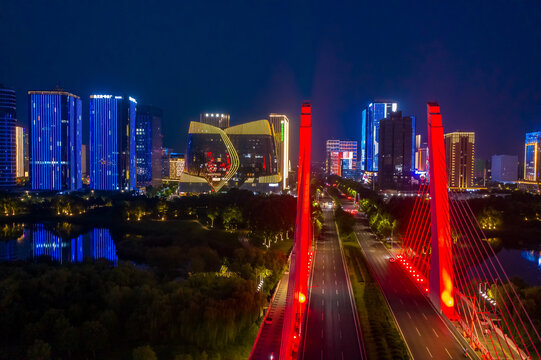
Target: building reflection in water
{"type": "Point", "coordinates": [39, 241]}
{"type": "Point", "coordinates": [533, 256]}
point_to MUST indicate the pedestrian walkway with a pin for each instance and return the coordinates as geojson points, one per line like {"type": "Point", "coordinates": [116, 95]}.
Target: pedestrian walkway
{"type": "Point", "coordinates": [269, 338]}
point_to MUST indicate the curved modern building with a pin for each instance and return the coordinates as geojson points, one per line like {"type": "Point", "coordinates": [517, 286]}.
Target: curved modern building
{"type": "Point", "coordinates": [242, 156]}
{"type": "Point", "coordinates": [8, 118]}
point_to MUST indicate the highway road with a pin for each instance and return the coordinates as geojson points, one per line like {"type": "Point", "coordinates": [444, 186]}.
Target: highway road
{"type": "Point", "coordinates": [426, 334]}
{"type": "Point", "coordinates": [331, 327]}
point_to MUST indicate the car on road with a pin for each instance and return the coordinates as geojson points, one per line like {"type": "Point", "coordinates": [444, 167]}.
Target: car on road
{"type": "Point", "coordinates": [268, 320]}
{"type": "Point", "coordinates": [392, 259]}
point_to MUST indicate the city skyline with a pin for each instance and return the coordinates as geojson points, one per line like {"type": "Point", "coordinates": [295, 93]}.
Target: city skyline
{"type": "Point", "coordinates": [454, 63]}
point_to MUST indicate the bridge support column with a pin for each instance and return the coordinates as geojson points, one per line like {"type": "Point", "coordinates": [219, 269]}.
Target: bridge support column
{"type": "Point", "coordinates": [441, 281]}
{"type": "Point", "coordinates": [298, 271]}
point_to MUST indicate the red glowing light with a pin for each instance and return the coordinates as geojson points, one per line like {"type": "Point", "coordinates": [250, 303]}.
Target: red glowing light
{"type": "Point", "coordinates": [442, 291]}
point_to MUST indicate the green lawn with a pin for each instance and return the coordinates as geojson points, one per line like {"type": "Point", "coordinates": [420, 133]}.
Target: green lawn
{"type": "Point", "coordinates": [381, 337]}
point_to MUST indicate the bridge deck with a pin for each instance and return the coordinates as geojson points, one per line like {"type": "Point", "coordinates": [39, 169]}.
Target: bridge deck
{"type": "Point", "coordinates": [269, 339]}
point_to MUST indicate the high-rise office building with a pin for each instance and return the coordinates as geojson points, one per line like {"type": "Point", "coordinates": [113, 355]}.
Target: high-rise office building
{"type": "Point", "coordinates": [217, 120]}
{"type": "Point", "coordinates": [371, 116]}
{"type": "Point", "coordinates": [532, 147]}
{"type": "Point", "coordinates": [112, 142]}
{"type": "Point", "coordinates": [148, 145]}
{"type": "Point", "coordinates": [421, 155]}
{"type": "Point", "coordinates": [396, 146]}
{"type": "Point", "coordinates": [55, 146]}
{"type": "Point", "coordinates": [280, 127]}
{"type": "Point", "coordinates": [341, 158]}
{"type": "Point", "coordinates": [8, 118]}
{"type": "Point", "coordinates": [20, 135]}
{"type": "Point", "coordinates": [504, 168]}
{"type": "Point", "coordinates": [459, 154]}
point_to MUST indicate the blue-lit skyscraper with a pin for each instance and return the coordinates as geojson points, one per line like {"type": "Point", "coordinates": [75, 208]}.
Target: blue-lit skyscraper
{"type": "Point", "coordinates": [371, 117]}
{"type": "Point", "coordinates": [112, 142]}
{"type": "Point", "coordinates": [8, 118]}
{"type": "Point", "coordinates": [148, 145]}
{"type": "Point", "coordinates": [55, 140]}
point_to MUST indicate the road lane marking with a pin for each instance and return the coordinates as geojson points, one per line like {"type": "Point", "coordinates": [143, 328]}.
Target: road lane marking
{"type": "Point", "coordinates": [435, 333]}
{"type": "Point", "coordinates": [401, 301]}
{"type": "Point", "coordinates": [429, 353]}
{"type": "Point", "coordinates": [335, 282]}
{"type": "Point", "coordinates": [447, 351]}
{"type": "Point", "coordinates": [418, 332]}
{"type": "Point", "coordinates": [336, 292]}
{"type": "Point", "coordinates": [323, 291]}
{"type": "Point", "coordinates": [337, 303]}
{"type": "Point", "coordinates": [407, 312]}
{"type": "Point", "coordinates": [424, 316]}
{"type": "Point", "coordinates": [342, 354]}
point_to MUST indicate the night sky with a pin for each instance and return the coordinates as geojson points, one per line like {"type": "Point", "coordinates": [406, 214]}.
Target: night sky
{"type": "Point", "coordinates": [481, 60]}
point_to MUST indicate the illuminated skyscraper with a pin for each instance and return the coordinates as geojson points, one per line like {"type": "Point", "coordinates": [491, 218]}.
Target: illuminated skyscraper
{"type": "Point", "coordinates": [341, 157]}
{"type": "Point", "coordinates": [20, 135]}
{"type": "Point", "coordinates": [459, 154]}
{"type": "Point", "coordinates": [148, 145]}
{"type": "Point", "coordinates": [396, 148]}
{"type": "Point", "coordinates": [112, 142]}
{"type": "Point", "coordinates": [55, 146]}
{"type": "Point", "coordinates": [532, 147]}
{"type": "Point", "coordinates": [8, 118]}
{"type": "Point", "coordinates": [218, 120]}
{"type": "Point", "coordinates": [371, 116]}
{"type": "Point", "coordinates": [280, 126]}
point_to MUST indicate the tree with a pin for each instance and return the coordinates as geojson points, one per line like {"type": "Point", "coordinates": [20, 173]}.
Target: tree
{"type": "Point", "coordinates": [39, 350]}
{"type": "Point", "coordinates": [144, 353]}
{"type": "Point", "coordinates": [232, 217]}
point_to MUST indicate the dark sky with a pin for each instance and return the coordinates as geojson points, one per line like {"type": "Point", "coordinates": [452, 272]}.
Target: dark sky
{"type": "Point", "coordinates": [481, 60]}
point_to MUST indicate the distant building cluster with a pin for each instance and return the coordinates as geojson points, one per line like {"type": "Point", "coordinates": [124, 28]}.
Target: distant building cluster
{"type": "Point", "coordinates": [390, 155]}
{"type": "Point", "coordinates": [125, 149]}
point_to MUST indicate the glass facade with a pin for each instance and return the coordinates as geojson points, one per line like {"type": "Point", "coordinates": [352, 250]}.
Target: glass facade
{"type": "Point", "coordinates": [371, 116]}
{"type": "Point", "coordinates": [239, 156]}
{"type": "Point", "coordinates": [8, 118]}
{"type": "Point", "coordinates": [112, 143]}
{"type": "Point", "coordinates": [55, 140]}
{"type": "Point", "coordinates": [148, 145]}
